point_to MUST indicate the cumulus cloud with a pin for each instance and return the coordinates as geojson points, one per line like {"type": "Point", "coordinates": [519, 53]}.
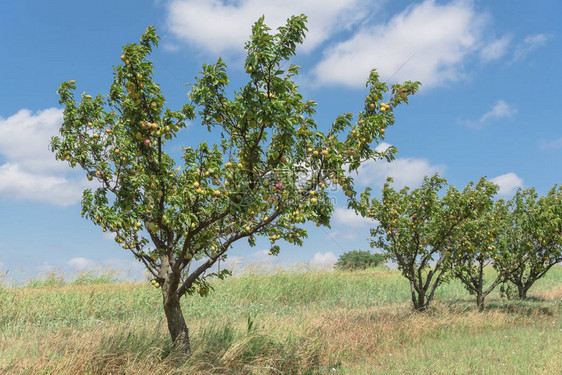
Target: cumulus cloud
{"type": "Point", "coordinates": [219, 26]}
{"type": "Point", "coordinates": [500, 110]}
{"type": "Point", "coordinates": [495, 49]}
{"type": "Point", "coordinates": [344, 216]}
{"type": "Point", "coordinates": [81, 264]}
{"type": "Point", "coordinates": [30, 171]}
{"type": "Point", "coordinates": [426, 42]}
{"type": "Point", "coordinates": [528, 45]}
{"type": "Point", "coordinates": [25, 139]}
{"type": "Point", "coordinates": [508, 183]}
{"type": "Point", "coordinates": [405, 171]}
{"type": "Point", "coordinates": [324, 260]}
{"type": "Point", "coordinates": [17, 184]}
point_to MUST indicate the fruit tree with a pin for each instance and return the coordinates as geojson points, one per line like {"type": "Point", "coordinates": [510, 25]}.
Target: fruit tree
{"type": "Point", "coordinates": [415, 227]}
{"type": "Point", "coordinates": [534, 239]}
{"type": "Point", "coordinates": [478, 245]}
{"type": "Point", "coordinates": [179, 216]}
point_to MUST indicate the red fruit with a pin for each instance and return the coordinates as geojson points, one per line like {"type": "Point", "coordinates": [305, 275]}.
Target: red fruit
{"type": "Point", "coordinates": [279, 185]}
{"type": "Point", "coordinates": [147, 142]}
{"type": "Point", "coordinates": [282, 159]}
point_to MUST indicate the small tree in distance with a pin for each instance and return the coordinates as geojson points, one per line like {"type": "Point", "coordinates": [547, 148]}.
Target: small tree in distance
{"type": "Point", "coordinates": [169, 213]}
{"type": "Point", "coordinates": [359, 260]}
{"type": "Point", "coordinates": [415, 227]}
{"type": "Point", "coordinates": [478, 244]}
{"type": "Point", "coordinates": [533, 243]}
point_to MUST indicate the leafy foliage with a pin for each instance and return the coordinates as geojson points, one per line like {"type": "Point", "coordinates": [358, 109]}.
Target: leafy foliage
{"type": "Point", "coordinates": [266, 176]}
{"type": "Point", "coordinates": [533, 242]}
{"type": "Point", "coordinates": [479, 244]}
{"type": "Point", "coordinates": [359, 260]}
{"type": "Point", "coordinates": [415, 228]}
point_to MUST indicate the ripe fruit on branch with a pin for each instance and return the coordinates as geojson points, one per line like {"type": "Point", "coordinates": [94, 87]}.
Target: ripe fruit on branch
{"type": "Point", "coordinates": [279, 185]}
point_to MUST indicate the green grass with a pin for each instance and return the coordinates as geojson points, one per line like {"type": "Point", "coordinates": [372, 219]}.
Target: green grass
{"type": "Point", "coordinates": [284, 322]}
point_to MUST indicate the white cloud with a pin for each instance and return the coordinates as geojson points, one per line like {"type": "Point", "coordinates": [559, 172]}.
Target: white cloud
{"type": "Point", "coordinates": [405, 171]}
{"type": "Point", "coordinates": [382, 147]}
{"type": "Point", "coordinates": [344, 216]}
{"type": "Point", "coordinates": [81, 264]}
{"type": "Point", "coordinates": [495, 49]}
{"type": "Point", "coordinates": [324, 260]}
{"type": "Point", "coordinates": [25, 139]}
{"type": "Point", "coordinates": [426, 42]}
{"type": "Point", "coordinates": [219, 26]}
{"type": "Point", "coordinates": [30, 171]}
{"type": "Point", "coordinates": [17, 184]}
{"type": "Point", "coordinates": [528, 45]}
{"type": "Point", "coordinates": [233, 263]}
{"type": "Point", "coordinates": [500, 110]}
{"type": "Point", "coordinates": [508, 183]}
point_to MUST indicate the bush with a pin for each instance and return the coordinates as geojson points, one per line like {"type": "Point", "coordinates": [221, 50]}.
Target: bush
{"type": "Point", "coordinates": [359, 260]}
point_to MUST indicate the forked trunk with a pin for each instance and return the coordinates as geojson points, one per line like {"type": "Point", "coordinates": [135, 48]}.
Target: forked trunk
{"type": "Point", "coordinates": [480, 301]}
{"type": "Point", "coordinates": [522, 291]}
{"type": "Point", "coordinates": [176, 324]}
{"type": "Point", "coordinates": [418, 298]}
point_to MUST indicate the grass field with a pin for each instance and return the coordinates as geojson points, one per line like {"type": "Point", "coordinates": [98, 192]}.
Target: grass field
{"type": "Point", "coordinates": [284, 322]}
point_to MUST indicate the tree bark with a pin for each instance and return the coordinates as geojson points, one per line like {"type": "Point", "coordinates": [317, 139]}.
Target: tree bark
{"type": "Point", "coordinates": [176, 324]}
{"type": "Point", "coordinates": [480, 300]}
{"type": "Point", "coordinates": [418, 298]}
{"type": "Point", "coordinates": [522, 290]}
{"type": "Point", "coordinates": [172, 308]}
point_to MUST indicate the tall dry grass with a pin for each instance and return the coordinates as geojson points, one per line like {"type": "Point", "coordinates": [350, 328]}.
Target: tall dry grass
{"type": "Point", "coordinates": [286, 322]}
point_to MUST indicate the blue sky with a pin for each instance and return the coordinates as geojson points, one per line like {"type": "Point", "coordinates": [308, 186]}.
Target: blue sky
{"type": "Point", "coordinates": [489, 105]}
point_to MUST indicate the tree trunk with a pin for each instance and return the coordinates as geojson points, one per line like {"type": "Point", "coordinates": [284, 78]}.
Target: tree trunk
{"type": "Point", "coordinates": [480, 300]}
{"type": "Point", "coordinates": [176, 324]}
{"type": "Point", "coordinates": [522, 290]}
{"type": "Point", "coordinates": [418, 298]}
